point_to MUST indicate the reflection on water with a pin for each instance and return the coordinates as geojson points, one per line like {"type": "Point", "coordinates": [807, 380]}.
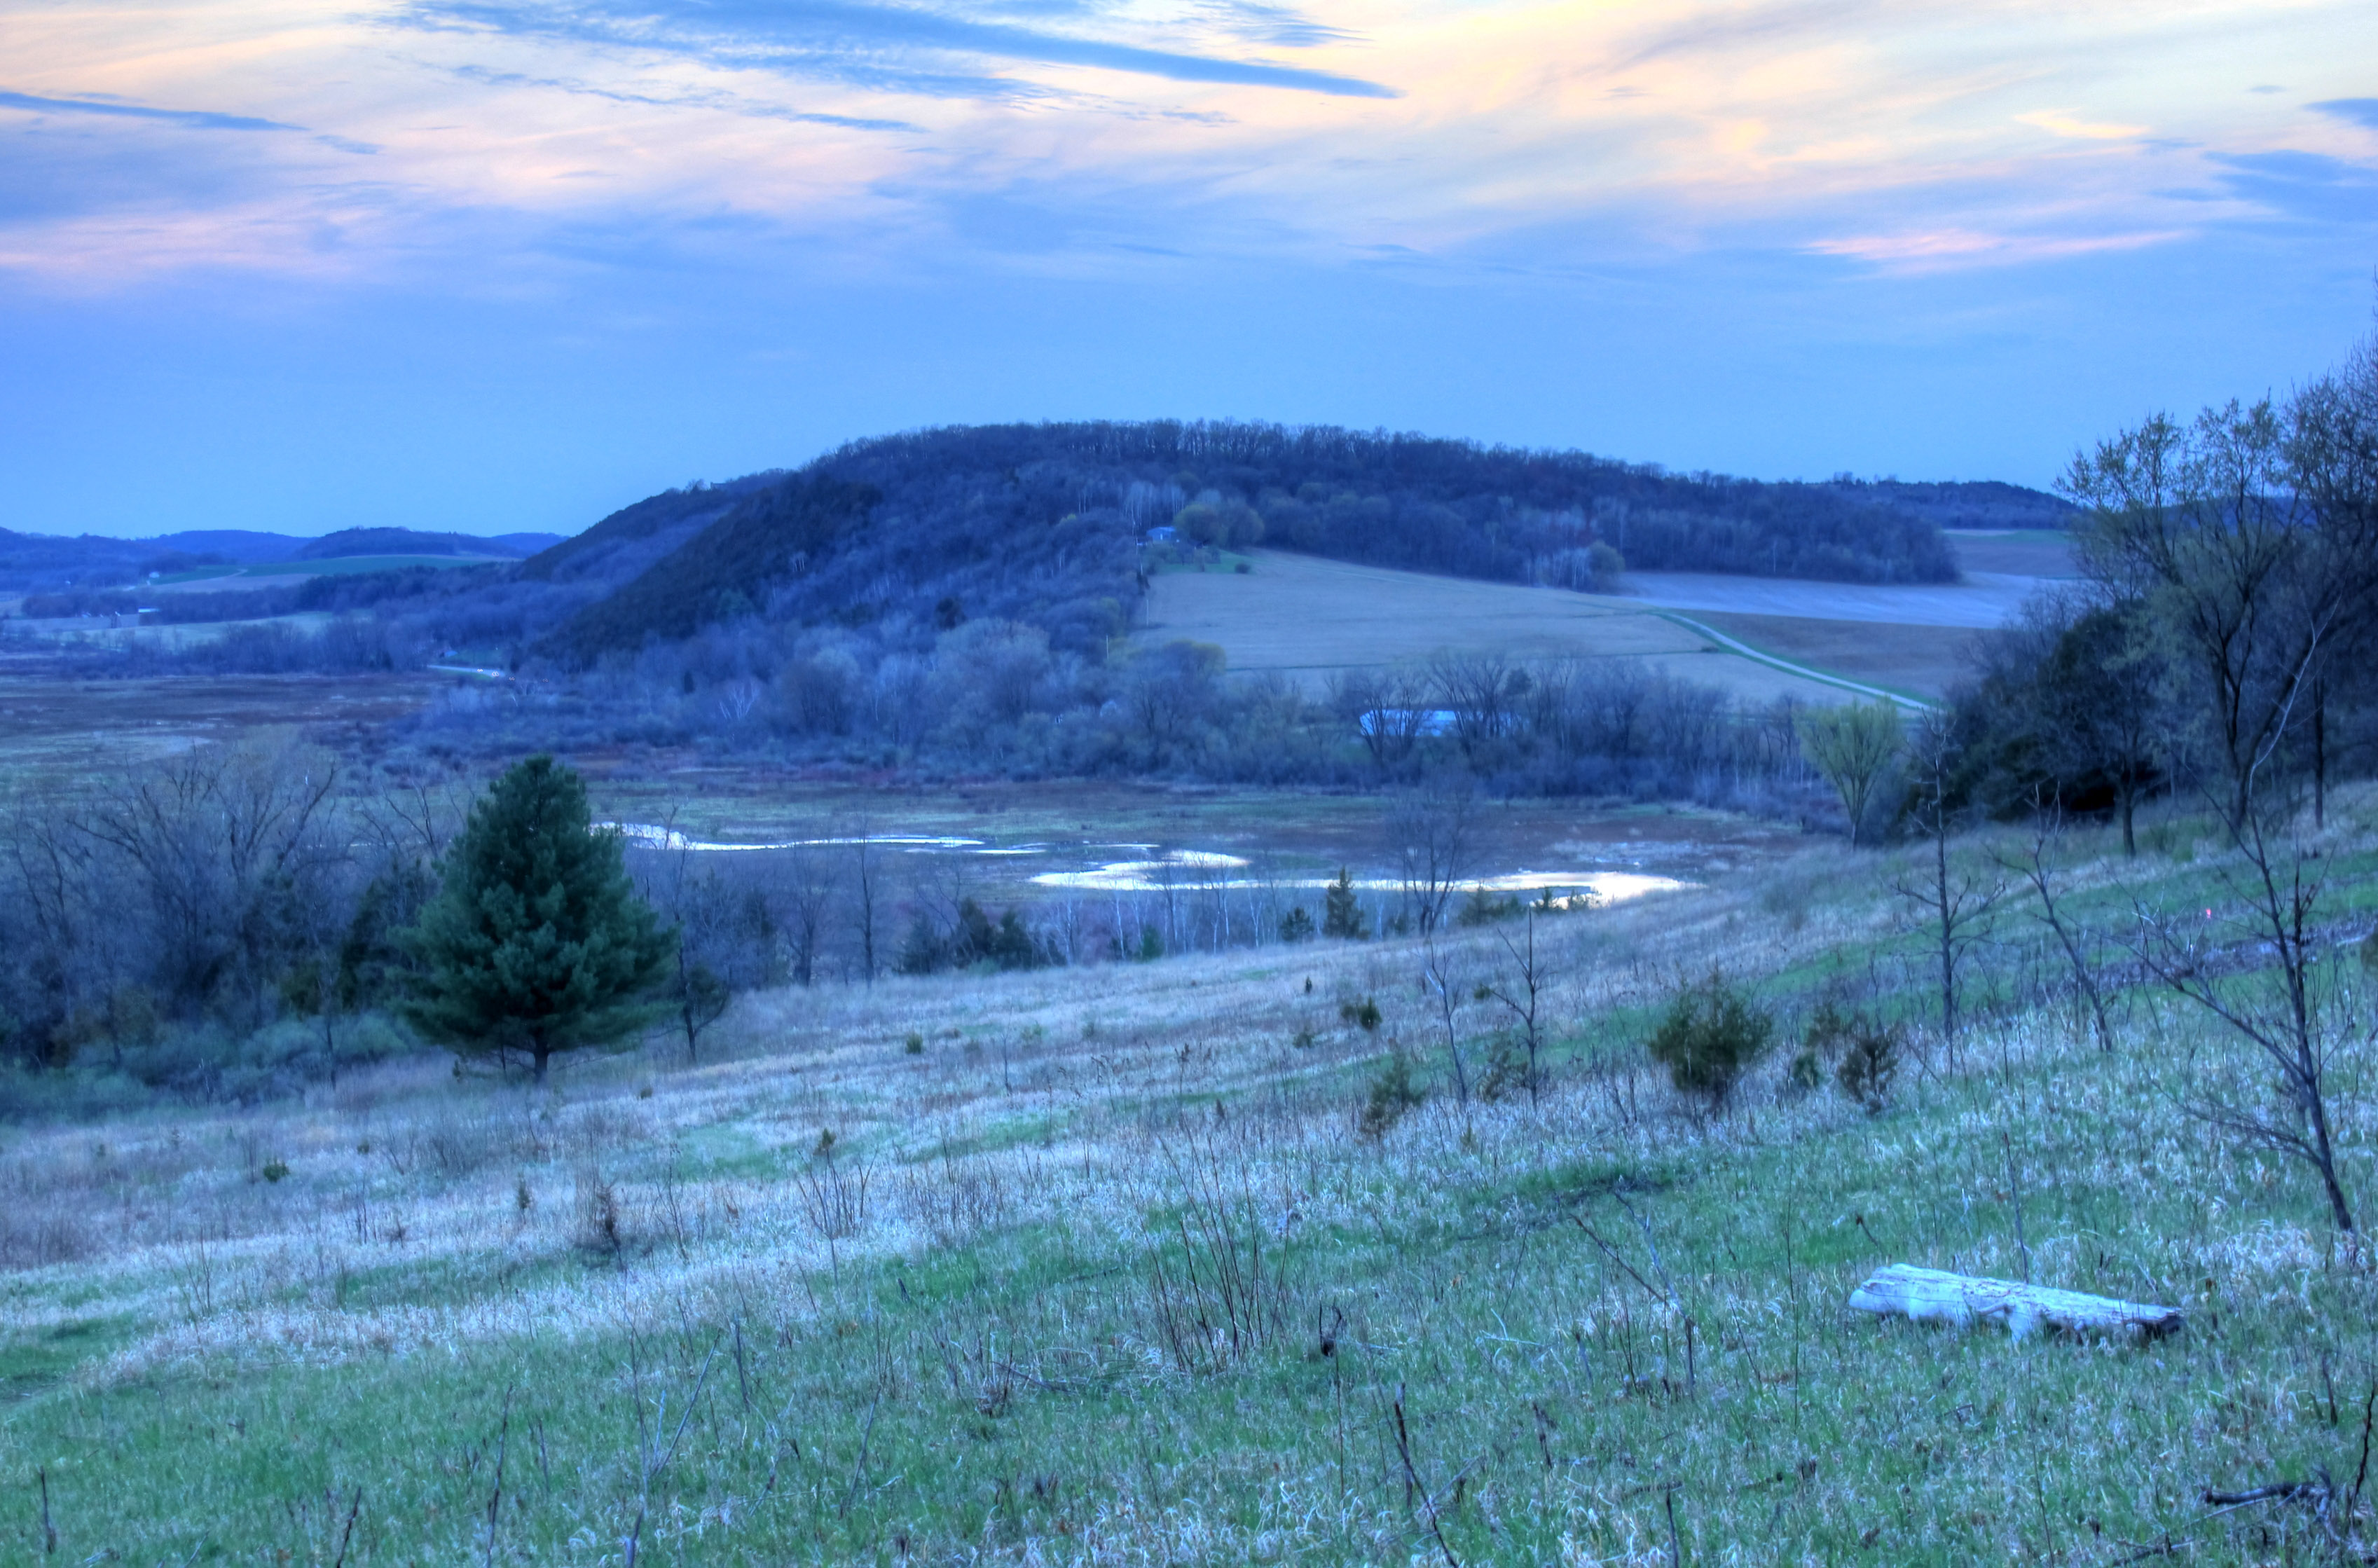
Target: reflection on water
{"type": "Point", "coordinates": [651, 835]}
{"type": "Point", "coordinates": [1179, 869]}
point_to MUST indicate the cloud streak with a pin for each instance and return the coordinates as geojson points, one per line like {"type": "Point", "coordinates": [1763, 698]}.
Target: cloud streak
{"type": "Point", "coordinates": [196, 119]}
{"type": "Point", "coordinates": [865, 44]}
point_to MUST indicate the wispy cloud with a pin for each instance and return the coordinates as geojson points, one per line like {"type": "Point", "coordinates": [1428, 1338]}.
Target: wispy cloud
{"type": "Point", "coordinates": [1933, 249]}
{"type": "Point", "coordinates": [888, 47]}
{"type": "Point", "coordinates": [2057, 122]}
{"type": "Point", "coordinates": [196, 119]}
{"type": "Point", "coordinates": [1064, 133]}
{"type": "Point", "coordinates": [725, 102]}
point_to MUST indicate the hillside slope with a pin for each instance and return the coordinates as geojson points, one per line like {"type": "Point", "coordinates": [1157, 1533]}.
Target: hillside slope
{"type": "Point", "coordinates": [1042, 523]}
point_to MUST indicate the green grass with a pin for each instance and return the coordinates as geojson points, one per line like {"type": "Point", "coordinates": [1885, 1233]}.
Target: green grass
{"type": "Point", "coordinates": [1223, 561]}
{"type": "Point", "coordinates": [1004, 1393]}
{"type": "Point", "coordinates": [1193, 1318]}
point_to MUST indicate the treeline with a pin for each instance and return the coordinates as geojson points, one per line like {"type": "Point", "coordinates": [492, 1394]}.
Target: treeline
{"type": "Point", "coordinates": [236, 922]}
{"type": "Point", "coordinates": [43, 562]}
{"type": "Point", "coordinates": [231, 922]}
{"type": "Point", "coordinates": [1046, 525]}
{"type": "Point", "coordinates": [998, 696]}
{"type": "Point", "coordinates": [1042, 523]}
{"type": "Point", "coordinates": [2222, 644]}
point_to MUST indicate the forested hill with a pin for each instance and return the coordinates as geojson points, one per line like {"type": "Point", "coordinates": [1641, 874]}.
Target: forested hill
{"type": "Point", "coordinates": [1987, 503]}
{"type": "Point", "coordinates": [39, 561]}
{"type": "Point", "coordinates": [1042, 523]}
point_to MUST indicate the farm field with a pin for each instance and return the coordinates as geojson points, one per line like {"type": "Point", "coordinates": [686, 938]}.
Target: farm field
{"type": "Point", "coordinates": [1921, 660]}
{"type": "Point", "coordinates": [1100, 1265]}
{"type": "Point", "coordinates": [1305, 618]}
{"type": "Point", "coordinates": [1983, 599]}
{"type": "Point", "coordinates": [283, 574]}
{"type": "Point", "coordinates": [2016, 552]}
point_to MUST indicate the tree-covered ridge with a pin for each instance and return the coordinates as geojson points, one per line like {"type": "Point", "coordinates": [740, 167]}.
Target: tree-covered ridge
{"type": "Point", "coordinates": [1040, 524]}
{"type": "Point", "coordinates": [44, 562]}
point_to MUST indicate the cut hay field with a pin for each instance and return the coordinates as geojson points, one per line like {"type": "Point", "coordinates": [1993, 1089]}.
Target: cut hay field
{"type": "Point", "coordinates": [1305, 618]}
{"type": "Point", "coordinates": [1098, 1267]}
{"type": "Point", "coordinates": [1922, 660]}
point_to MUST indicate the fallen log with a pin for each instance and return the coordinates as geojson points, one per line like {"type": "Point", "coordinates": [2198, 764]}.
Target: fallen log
{"type": "Point", "coordinates": [1934, 1295]}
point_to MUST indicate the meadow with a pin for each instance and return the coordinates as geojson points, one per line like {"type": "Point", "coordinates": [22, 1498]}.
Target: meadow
{"type": "Point", "coordinates": [1304, 618]}
{"type": "Point", "coordinates": [1153, 1262]}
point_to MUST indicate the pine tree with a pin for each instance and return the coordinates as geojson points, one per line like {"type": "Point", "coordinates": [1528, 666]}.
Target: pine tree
{"type": "Point", "coordinates": [536, 942]}
{"type": "Point", "coordinates": [1342, 915]}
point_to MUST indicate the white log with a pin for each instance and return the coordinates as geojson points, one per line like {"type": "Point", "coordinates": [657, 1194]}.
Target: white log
{"type": "Point", "coordinates": [1933, 1295]}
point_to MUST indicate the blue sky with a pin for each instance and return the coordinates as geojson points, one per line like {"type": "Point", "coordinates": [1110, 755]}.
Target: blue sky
{"type": "Point", "coordinates": [493, 265]}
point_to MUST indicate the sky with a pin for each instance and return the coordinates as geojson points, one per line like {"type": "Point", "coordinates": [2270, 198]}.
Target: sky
{"type": "Point", "coordinates": [506, 265]}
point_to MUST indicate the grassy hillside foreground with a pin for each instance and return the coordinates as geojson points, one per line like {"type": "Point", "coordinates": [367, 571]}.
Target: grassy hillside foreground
{"type": "Point", "coordinates": [1095, 1267]}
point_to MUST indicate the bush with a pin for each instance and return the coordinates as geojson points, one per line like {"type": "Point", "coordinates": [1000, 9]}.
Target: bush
{"type": "Point", "coordinates": [1711, 1036]}
{"type": "Point", "coordinates": [1869, 1064]}
{"type": "Point", "coordinates": [1392, 1093]}
{"type": "Point", "coordinates": [1364, 1014]}
{"type": "Point", "coordinates": [1863, 1054]}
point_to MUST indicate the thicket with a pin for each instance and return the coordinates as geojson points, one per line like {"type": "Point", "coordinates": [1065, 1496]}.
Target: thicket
{"type": "Point", "coordinates": [2221, 642]}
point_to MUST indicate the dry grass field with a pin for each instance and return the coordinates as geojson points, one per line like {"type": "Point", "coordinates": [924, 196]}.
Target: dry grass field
{"type": "Point", "coordinates": [1305, 618]}
{"type": "Point", "coordinates": [1922, 660]}
{"type": "Point", "coordinates": [1103, 1266]}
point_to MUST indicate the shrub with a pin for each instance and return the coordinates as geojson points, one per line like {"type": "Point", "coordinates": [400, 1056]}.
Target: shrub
{"type": "Point", "coordinates": [1296, 925]}
{"type": "Point", "coordinates": [1363, 1014]}
{"type": "Point", "coordinates": [1506, 1072]}
{"type": "Point", "coordinates": [1863, 1054]}
{"type": "Point", "coordinates": [1711, 1036]}
{"type": "Point", "coordinates": [1483, 908]}
{"type": "Point", "coordinates": [1392, 1093]}
{"type": "Point", "coordinates": [598, 1226]}
{"type": "Point", "coordinates": [1869, 1064]}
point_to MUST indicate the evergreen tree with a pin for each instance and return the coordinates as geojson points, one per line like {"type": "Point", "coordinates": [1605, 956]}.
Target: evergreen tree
{"type": "Point", "coordinates": [1341, 915]}
{"type": "Point", "coordinates": [536, 942]}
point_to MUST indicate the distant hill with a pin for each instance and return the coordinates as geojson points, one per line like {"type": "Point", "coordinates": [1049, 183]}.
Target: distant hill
{"type": "Point", "coordinates": [40, 562]}
{"type": "Point", "coordinates": [1044, 524]}
{"type": "Point", "coordinates": [1987, 503]}
{"type": "Point", "coordinates": [410, 542]}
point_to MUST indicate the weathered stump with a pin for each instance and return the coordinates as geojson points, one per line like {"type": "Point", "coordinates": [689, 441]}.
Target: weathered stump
{"type": "Point", "coordinates": [1934, 1295]}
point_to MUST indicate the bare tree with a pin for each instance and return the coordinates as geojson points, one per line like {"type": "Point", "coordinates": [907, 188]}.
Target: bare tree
{"type": "Point", "coordinates": [1387, 709]}
{"type": "Point", "coordinates": [865, 866]}
{"type": "Point", "coordinates": [1483, 693]}
{"type": "Point", "coordinates": [2280, 889]}
{"type": "Point", "coordinates": [1431, 833]}
{"type": "Point", "coordinates": [224, 847]}
{"type": "Point", "coordinates": [2246, 563]}
{"type": "Point", "coordinates": [1524, 996]}
{"type": "Point", "coordinates": [1956, 904]}
{"type": "Point", "coordinates": [1443, 986]}
{"type": "Point", "coordinates": [806, 881]}
{"type": "Point", "coordinates": [2037, 866]}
